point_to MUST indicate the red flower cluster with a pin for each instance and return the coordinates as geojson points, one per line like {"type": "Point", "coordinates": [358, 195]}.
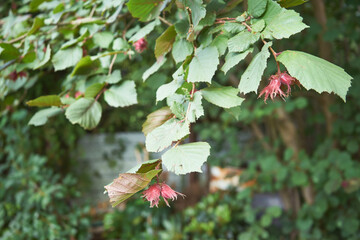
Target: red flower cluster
{"type": "Point", "coordinates": [140, 45]}
{"type": "Point", "coordinates": [15, 75]}
{"type": "Point", "coordinates": [157, 190]}
{"type": "Point", "coordinates": [273, 89]}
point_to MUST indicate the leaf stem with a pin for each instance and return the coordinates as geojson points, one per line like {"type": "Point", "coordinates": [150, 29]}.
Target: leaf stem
{"type": "Point", "coordinates": [112, 64]}
{"type": "Point", "coordinates": [165, 21]}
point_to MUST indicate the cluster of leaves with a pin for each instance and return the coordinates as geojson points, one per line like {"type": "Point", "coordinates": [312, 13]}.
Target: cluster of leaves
{"type": "Point", "coordinates": [87, 40]}
{"type": "Point", "coordinates": [36, 202]}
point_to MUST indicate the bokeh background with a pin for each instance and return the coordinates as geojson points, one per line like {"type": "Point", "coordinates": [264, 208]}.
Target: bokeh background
{"type": "Point", "coordinates": [281, 170]}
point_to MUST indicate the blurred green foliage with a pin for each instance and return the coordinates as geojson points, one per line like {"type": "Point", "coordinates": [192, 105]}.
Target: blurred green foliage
{"type": "Point", "coordinates": [36, 201]}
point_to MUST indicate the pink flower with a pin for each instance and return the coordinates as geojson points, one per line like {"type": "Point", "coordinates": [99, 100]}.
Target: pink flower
{"type": "Point", "coordinates": [78, 94]}
{"type": "Point", "coordinates": [140, 45]}
{"type": "Point", "coordinates": [288, 80]}
{"type": "Point", "coordinates": [168, 193]}
{"type": "Point", "coordinates": [153, 193]}
{"type": "Point", "coordinates": [273, 89]}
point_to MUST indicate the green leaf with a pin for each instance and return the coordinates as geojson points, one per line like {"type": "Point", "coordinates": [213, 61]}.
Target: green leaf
{"type": "Point", "coordinates": [181, 50]}
{"type": "Point", "coordinates": [41, 117]}
{"type": "Point", "coordinates": [35, 3]}
{"type": "Point", "coordinates": [256, 7]}
{"type": "Point", "coordinates": [233, 59]}
{"type": "Point", "coordinates": [86, 66]}
{"type": "Point", "coordinates": [85, 111]}
{"type": "Point", "coordinates": [291, 3]}
{"type": "Point", "coordinates": [316, 73]}
{"type": "Point", "coordinates": [146, 166]}
{"type": "Point", "coordinates": [103, 39]}
{"type": "Point", "coordinates": [120, 44]}
{"type": "Point", "coordinates": [164, 43]}
{"type": "Point", "coordinates": [156, 66]}
{"type": "Point", "coordinates": [242, 41]}
{"type": "Point", "coordinates": [186, 158]}
{"type": "Point", "coordinates": [196, 109]}
{"type": "Point", "coordinates": [233, 27]}
{"type": "Point", "coordinates": [8, 52]}
{"type": "Point", "coordinates": [146, 10]}
{"type": "Point", "coordinates": [168, 89]}
{"type": "Point", "coordinates": [220, 42]}
{"type": "Point", "coordinates": [127, 184]}
{"type": "Point", "coordinates": [72, 42]}
{"type": "Point", "coordinates": [178, 109]}
{"type": "Point", "coordinates": [93, 90]}
{"type": "Point", "coordinates": [226, 97]}
{"type": "Point", "coordinates": [144, 31]}
{"type": "Point", "coordinates": [37, 24]}
{"type": "Point", "coordinates": [69, 57]}
{"type": "Point", "coordinates": [156, 119]}
{"type": "Point", "coordinates": [121, 96]}
{"type": "Point", "coordinates": [198, 12]}
{"type": "Point", "coordinates": [115, 77]}
{"type": "Point", "coordinates": [162, 136]}
{"type": "Point", "coordinates": [251, 78]}
{"type": "Point", "coordinates": [281, 23]}
{"type": "Point", "coordinates": [203, 65]}
{"type": "Point", "coordinates": [45, 101]}
{"type": "Point", "coordinates": [258, 26]}
{"type": "Point", "coordinates": [45, 59]}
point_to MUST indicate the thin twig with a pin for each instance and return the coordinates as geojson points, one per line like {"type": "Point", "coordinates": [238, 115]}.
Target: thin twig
{"type": "Point", "coordinates": [165, 21]}
{"type": "Point", "coordinates": [112, 64]}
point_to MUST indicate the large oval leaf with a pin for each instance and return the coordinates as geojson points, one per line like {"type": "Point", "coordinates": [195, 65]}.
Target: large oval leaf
{"type": "Point", "coordinates": [186, 158]}
{"type": "Point", "coordinates": [316, 73]}
{"type": "Point", "coordinates": [85, 111]}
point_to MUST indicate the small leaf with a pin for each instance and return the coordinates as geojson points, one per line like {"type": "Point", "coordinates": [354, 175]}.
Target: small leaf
{"type": "Point", "coordinates": [45, 59]}
{"type": "Point", "coordinates": [291, 3]}
{"type": "Point", "coordinates": [162, 136]}
{"type": "Point", "coordinates": [181, 50]}
{"type": "Point", "coordinates": [127, 184]}
{"type": "Point", "coordinates": [242, 41]}
{"type": "Point", "coordinates": [72, 42]}
{"type": "Point", "coordinates": [251, 78]}
{"type": "Point", "coordinates": [203, 65]}
{"type": "Point", "coordinates": [41, 117]}
{"type": "Point", "coordinates": [93, 90]}
{"type": "Point", "coordinates": [258, 26]}
{"type": "Point", "coordinates": [115, 77]}
{"type": "Point", "coordinates": [226, 97]}
{"type": "Point", "coordinates": [121, 96]}
{"type": "Point", "coordinates": [85, 111]}
{"type": "Point", "coordinates": [233, 59]}
{"type": "Point", "coordinates": [198, 12]}
{"type": "Point", "coordinates": [196, 109]}
{"type": "Point", "coordinates": [186, 158]}
{"type": "Point", "coordinates": [165, 41]}
{"type": "Point", "coordinates": [69, 57]}
{"type": "Point", "coordinates": [86, 66]}
{"type": "Point", "coordinates": [156, 119]}
{"type": "Point", "coordinates": [38, 23]}
{"type": "Point", "coordinates": [145, 167]}
{"type": "Point", "coordinates": [120, 44]}
{"type": "Point", "coordinates": [281, 23]}
{"type": "Point", "coordinates": [168, 89]}
{"type": "Point", "coordinates": [144, 31]}
{"type": "Point", "coordinates": [146, 10]}
{"type": "Point", "coordinates": [220, 42]}
{"type": "Point", "coordinates": [156, 66]}
{"type": "Point", "coordinates": [316, 73]}
{"type": "Point", "coordinates": [45, 101]}
{"type": "Point", "coordinates": [8, 52]}
{"type": "Point", "coordinates": [103, 39]}
{"type": "Point", "coordinates": [256, 7]}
